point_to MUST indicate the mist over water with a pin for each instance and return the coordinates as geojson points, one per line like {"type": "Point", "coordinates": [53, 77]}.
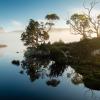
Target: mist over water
{"type": "Point", "coordinates": [63, 35]}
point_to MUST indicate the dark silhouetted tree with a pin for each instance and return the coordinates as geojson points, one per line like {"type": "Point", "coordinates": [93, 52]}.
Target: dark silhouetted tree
{"type": "Point", "coordinates": [79, 24]}
{"type": "Point", "coordinates": [35, 34]}
{"type": "Point", "coordinates": [51, 18]}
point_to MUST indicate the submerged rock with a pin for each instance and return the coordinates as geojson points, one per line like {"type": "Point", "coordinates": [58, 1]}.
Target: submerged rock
{"type": "Point", "coordinates": [53, 82]}
{"type": "Point", "coordinates": [21, 72]}
{"type": "Point", "coordinates": [16, 62]}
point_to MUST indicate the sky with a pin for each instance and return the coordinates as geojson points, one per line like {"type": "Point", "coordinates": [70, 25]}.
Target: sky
{"type": "Point", "coordinates": [15, 14]}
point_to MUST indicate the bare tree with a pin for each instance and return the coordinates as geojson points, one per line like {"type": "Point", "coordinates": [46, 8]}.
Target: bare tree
{"type": "Point", "coordinates": [94, 22]}
{"type": "Point", "coordinates": [79, 24]}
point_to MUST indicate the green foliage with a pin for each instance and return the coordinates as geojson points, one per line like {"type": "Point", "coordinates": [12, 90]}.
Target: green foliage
{"type": "Point", "coordinates": [34, 35]}
{"type": "Point", "coordinates": [80, 20]}
{"type": "Point", "coordinates": [57, 55]}
{"type": "Point", "coordinates": [81, 52]}
{"type": "Point", "coordinates": [80, 24]}
{"type": "Point", "coordinates": [51, 18]}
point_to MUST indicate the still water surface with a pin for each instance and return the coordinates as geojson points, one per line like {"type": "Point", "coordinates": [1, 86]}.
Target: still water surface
{"type": "Point", "coordinates": [16, 86]}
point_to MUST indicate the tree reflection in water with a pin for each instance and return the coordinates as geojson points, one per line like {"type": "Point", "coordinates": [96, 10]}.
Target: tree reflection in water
{"type": "Point", "coordinates": [37, 67]}
{"type": "Point", "coordinates": [40, 67]}
{"type": "Point", "coordinates": [53, 82]}
{"type": "Point", "coordinates": [89, 75]}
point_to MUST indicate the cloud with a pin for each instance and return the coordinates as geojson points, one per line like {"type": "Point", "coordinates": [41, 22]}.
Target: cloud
{"type": "Point", "coordinates": [16, 23]}
{"type": "Point", "coordinates": [17, 26]}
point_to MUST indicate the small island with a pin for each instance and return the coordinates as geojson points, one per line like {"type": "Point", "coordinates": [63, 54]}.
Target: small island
{"type": "Point", "coordinates": [3, 45]}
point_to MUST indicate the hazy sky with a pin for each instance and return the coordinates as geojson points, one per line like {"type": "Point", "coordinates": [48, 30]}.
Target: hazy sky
{"type": "Point", "coordinates": [15, 14]}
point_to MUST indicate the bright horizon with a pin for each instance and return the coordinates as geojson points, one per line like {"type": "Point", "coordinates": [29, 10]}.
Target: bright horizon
{"type": "Point", "coordinates": [15, 14]}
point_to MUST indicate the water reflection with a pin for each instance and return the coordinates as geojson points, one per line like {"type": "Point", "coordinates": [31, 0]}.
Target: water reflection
{"type": "Point", "coordinates": [77, 79]}
{"type": "Point", "coordinates": [91, 76]}
{"type": "Point", "coordinates": [57, 70]}
{"type": "Point", "coordinates": [37, 67]}
{"type": "Point", "coordinates": [2, 51]}
{"type": "Point", "coordinates": [53, 82]}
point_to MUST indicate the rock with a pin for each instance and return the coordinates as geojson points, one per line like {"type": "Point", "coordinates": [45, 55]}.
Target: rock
{"type": "Point", "coordinates": [53, 82]}
{"type": "Point", "coordinates": [16, 62]}
{"type": "Point", "coordinates": [21, 72]}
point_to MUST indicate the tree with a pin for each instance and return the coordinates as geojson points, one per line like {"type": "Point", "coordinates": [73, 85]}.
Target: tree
{"type": "Point", "coordinates": [51, 18]}
{"type": "Point", "coordinates": [94, 22]}
{"type": "Point", "coordinates": [86, 24]}
{"type": "Point", "coordinates": [35, 34]}
{"type": "Point", "coordinates": [79, 24]}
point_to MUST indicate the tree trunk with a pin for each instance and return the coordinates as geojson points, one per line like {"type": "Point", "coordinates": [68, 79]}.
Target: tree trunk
{"type": "Point", "coordinates": [98, 35]}
{"type": "Point", "coordinates": [49, 29]}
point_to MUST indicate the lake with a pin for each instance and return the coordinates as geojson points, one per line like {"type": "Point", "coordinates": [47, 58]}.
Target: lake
{"type": "Point", "coordinates": [47, 83]}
